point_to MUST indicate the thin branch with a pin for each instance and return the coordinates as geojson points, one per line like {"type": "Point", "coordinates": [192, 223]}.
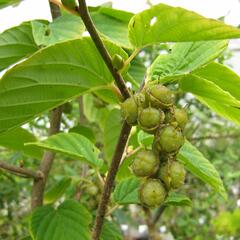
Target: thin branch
{"type": "Point", "coordinates": [110, 180]}
{"type": "Point", "coordinates": [47, 161]}
{"type": "Point", "coordinates": [83, 12]}
{"type": "Point", "coordinates": [21, 172]}
{"type": "Point", "coordinates": [150, 225]}
{"type": "Point", "coordinates": [158, 214]}
{"type": "Point", "coordinates": [55, 10]}
{"type": "Point", "coordinates": [122, 141]}
{"type": "Point", "coordinates": [131, 57]}
{"type": "Point", "coordinates": [48, 156]}
{"type": "Point", "coordinates": [215, 137]}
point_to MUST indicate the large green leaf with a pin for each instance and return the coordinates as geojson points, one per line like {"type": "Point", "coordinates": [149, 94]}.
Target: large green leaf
{"type": "Point", "coordinates": [116, 13]}
{"type": "Point", "coordinates": [109, 23]}
{"type": "Point", "coordinates": [111, 133]}
{"type": "Point", "coordinates": [216, 86]}
{"type": "Point", "coordinates": [74, 145]}
{"type": "Point", "coordinates": [56, 191]}
{"type": "Point", "coordinates": [163, 23]}
{"type": "Point", "coordinates": [226, 111]}
{"type": "Point", "coordinates": [93, 113]}
{"type": "Point", "coordinates": [5, 3]}
{"type": "Point", "coordinates": [126, 191]}
{"type": "Point", "coordinates": [15, 140]}
{"type": "Point", "coordinates": [207, 90]}
{"type": "Point", "coordinates": [110, 231]}
{"type": "Point", "coordinates": [63, 28]}
{"type": "Point", "coordinates": [51, 77]}
{"type": "Point", "coordinates": [185, 58]}
{"type": "Point", "coordinates": [177, 199]}
{"type": "Point", "coordinates": [137, 70]}
{"type": "Point", "coordinates": [15, 44]}
{"type": "Point", "coordinates": [199, 166]}
{"type": "Point", "coordinates": [222, 76]}
{"type": "Point", "coordinates": [70, 221]}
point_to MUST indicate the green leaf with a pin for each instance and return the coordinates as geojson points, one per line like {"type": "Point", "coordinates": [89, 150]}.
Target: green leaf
{"type": "Point", "coordinates": [69, 222]}
{"type": "Point", "coordinates": [51, 77]}
{"type": "Point", "coordinates": [15, 44]}
{"type": "Point", "coordinates": [226, 111]}
{"type": "Point", "coordinates": [185, 58]}
{"type": "Point", "coordinates": [126, 191]}
{"type": "Point", "coordinates": [56, 191]}
{"type": "Point", "coordinates": [163, 23]}
{"type": "Point", "coordinates": [207, 90]}
{"type": "Point", "coordinates": [73, 145]}
{"type": "Point", "coordinates": [85, 131]}
{"type": "Point", "coordinates": [65, 27]}
{"type": "Point", "coordinates": [116, 13]}
{"type": "Point", "coordinates": [110, 231]}
{"type": "Point", "coordinates": [5, 3]}
{"type": "Point", "coordinates": [124, 169]}
{"type": "Point", "coordinates": [93, 113]}
{"type": "Point", "coordinates": [26, 238]}
{"type": "Point", "coordinates": [15, 139]}
{"type": "Point", "coordinates": [111, 133]}
{"type": "Point", "coordinates": [222, 76]}
{"type": "Point", "coordinates": [110, 24]}
{"type": "Point", "coordinates": [199, 166]}
{"type": "Point", "coordinates": [177, 199]}
{"type": "Point", "coordinates": [137, 70]}
{"type": "Point", "coordinates": [145, 139]}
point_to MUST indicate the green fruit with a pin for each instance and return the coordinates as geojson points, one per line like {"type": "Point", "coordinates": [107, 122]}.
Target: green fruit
{"type": "Point", "coordinates": [130, 110]}
{"type": "Point", "coordinates": [181, 117]}
{"type": "Point", "coordinates": [145, 163]}
{"type": "Point", "coordinates": [150, 118]}
{"type": "Point", "coordinates": [141, 100]}
{"type": "Point", "coordinates": [91, 189]}
{"type": "Point", "coordinates": [118, 62]}
{"type": "Point", "coordinates": [176, 117]}
{"type": "Point", "coordinates": [152, 193]}
{"type": "Point", "coordinates": [169, 139]}
{"type": "Point", "coordinates": [172, 174]}
{"type": "Point", "coordinates": [70, 4]}
{"type": "Point", "coordinates": [160, 96]}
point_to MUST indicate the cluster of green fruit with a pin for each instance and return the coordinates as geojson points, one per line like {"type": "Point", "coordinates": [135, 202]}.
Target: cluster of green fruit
{"type": "Point", "coordinates": [154, 112]}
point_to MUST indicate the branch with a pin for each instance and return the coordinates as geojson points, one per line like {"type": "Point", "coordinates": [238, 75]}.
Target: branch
{"type": "Point", "coordinates": [47, 161]}
{"type": "Point", "coordinates": [125, 131]}
{"type": "Point", "coordinates": [55, 10]}
{"type": "Point", "coordinates": [214, 137]}
{"type": "Point", "coordinates": [48, 156]}
{"type": "Point", "coordinates": [21, 172]}
{"type": "Point", "coordinates": [150, 225]}
{"type": "Point", "coordinates": [110, 180]}
{"type": "Point", "coordinates": [83, 12]}
{"type": "Point", "coordinates": [158, 214]}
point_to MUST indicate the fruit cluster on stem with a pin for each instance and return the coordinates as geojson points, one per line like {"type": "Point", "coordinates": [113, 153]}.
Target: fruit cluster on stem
{"type": "Point", "coordinates": [154, 112]}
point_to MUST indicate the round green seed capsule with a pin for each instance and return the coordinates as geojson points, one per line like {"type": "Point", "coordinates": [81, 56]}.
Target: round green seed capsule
{"type": "Point", "coordinates": [152, 193]}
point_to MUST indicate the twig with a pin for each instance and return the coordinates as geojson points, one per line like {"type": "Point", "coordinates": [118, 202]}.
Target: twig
{"type": "Point", "coordinates": [110, 211]}
{"type": "Point", "coordinates": [21, 172]}
{"type": "Point", "coordinates": [131, 57]}
{"type": "Point", "coordinates": [214, 137]}
{"type": "Point", "coordinates": [122, 141]}
{"type": "Point", "coordinates": [110, 180]}
{"type": "Point", "coordinates": [148, 219]}
{"type": "Point", "coordinates": [158, 214]}
{"type": "Point", "coordinates": [48, 156]}
{"type": "Point", "coordinates": [83, 12]}
{"type": "Point", "coordinates": [47, 161]}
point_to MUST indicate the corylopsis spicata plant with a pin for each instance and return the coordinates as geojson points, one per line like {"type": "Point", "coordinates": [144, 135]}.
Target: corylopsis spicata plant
{"type": "Point", "coordinates": [116, 145]}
